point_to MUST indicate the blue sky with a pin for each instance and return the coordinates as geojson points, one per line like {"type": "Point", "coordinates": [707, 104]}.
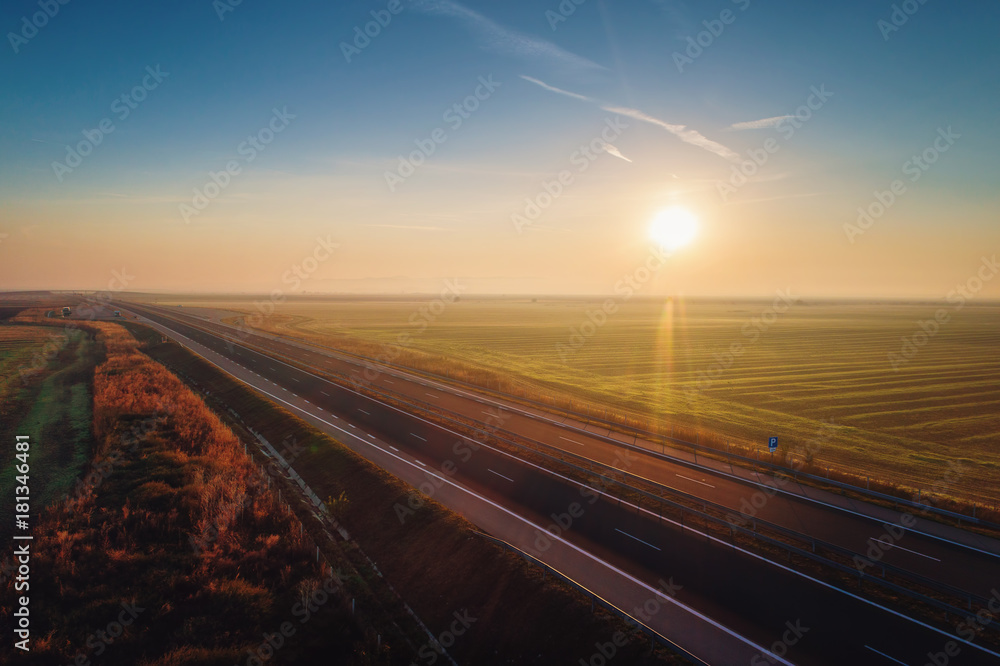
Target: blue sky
{"type": "Point", "coordinates": [325, 172]}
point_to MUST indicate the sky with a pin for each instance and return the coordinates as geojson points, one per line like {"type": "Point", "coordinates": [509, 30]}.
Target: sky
{"type": "Point", "coordinates": [522, 147]}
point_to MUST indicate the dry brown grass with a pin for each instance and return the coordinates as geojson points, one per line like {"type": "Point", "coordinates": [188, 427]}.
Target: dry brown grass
{"type": "Point", "coordinates": [174, 517]}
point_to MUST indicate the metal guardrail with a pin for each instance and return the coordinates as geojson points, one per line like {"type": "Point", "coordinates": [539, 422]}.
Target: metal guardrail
{"type": "Point", "coordinates": [915, 578]}
{"type": "Point", "coordinates": [597, 599]}
{"type": "Point", "coordinates": [654, 437]}
{"type": "Point", "coordinates": [942, 588]}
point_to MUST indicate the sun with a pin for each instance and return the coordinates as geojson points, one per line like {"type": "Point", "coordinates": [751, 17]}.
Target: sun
{"type": "Point", "coordinates": [673, 228]}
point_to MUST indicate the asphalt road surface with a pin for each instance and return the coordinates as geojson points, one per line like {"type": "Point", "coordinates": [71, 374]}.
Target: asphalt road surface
{"type": "Point", "coordinates": [724, 605]}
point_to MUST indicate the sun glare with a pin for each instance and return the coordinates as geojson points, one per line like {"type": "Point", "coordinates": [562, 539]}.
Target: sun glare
{"type": "Point", "coordinates": [673, 228]}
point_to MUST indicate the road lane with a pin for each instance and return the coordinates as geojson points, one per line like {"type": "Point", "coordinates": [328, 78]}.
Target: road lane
{"type": "Point", "coordinates": [730, 583]}
{"type": "Point", "coordinates": [951, 564]}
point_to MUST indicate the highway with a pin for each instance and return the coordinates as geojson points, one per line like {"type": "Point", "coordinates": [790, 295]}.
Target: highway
{"type": "Point", "coordinates": [938, 552]}
{"type": "Point", "coordinates": [734, 602]}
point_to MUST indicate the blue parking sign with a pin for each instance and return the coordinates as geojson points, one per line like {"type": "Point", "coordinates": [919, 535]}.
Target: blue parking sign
{"type": "Point", "coordinates": [772, 444]}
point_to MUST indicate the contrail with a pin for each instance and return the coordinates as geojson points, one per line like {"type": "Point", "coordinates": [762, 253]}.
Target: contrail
{"type": "Point", "coordinates": [682, 132]}
{"type": "Point", "coordinates": [558, 91]}
{"type": "Point", "coordinates": [611, 150]}
{"type": "Point", "coordinates": [763, 123]}
{"type": "Point", "coordinates": [686, 135]}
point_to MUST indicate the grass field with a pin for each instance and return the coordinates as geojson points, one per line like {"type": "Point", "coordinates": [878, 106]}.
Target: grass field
{"type": "Point", "coordinates": [51, 404]}
{"type": "Point", "coordinates": [736, 371]}
{"type": "Point", "coordinates": [173, 519]}
{"type": "Point", "coordinates": [431, 559]}
{"type": "Point", "coordinates": [18, 345]}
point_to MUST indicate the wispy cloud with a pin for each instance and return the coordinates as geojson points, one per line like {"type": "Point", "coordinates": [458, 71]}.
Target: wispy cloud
{"type": "Point", "coordinates": [682, 132]}
{"type": "Point", "coordinates": [495, 37]}
{"type": "Point", "coordinates": [559, 91]}
{"type": "Point", "coordinates": [694, 137]}
{"type": "Point", "coordinates": [611, 150]}
{"type": "Point", "coordinates": [763, 123]}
